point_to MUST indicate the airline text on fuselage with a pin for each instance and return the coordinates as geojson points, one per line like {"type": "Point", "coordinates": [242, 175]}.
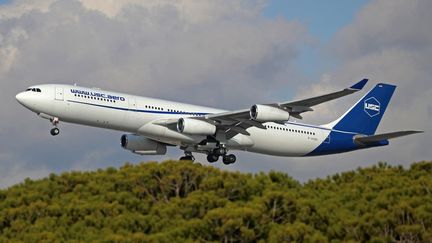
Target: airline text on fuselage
{"type": "Point", "coordinates": [97, 94]}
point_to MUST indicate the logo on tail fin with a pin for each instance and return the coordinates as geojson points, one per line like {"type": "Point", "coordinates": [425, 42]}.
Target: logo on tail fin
{"type": "Point", "coordinates": [372, 107]}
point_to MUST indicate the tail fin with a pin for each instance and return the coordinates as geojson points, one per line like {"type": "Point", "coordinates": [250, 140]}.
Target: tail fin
{"type": "Point", "coordinates": [365, 116]}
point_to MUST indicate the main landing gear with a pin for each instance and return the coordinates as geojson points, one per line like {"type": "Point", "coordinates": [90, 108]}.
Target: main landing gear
{"type": "Point", "coordinates": [226, 158]}
{"type": "Point", "coordinates": [229, 159]}
{"type": "Point", "coordinates": [188, 156]}
{"type": "Point", "coordinates": [55, 131]}
{"type": "Point", "coordinates": [213, 155]}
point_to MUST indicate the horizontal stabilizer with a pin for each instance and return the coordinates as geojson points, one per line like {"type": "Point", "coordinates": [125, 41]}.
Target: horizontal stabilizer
{"type": "Point", "coordinates": [384, 136]}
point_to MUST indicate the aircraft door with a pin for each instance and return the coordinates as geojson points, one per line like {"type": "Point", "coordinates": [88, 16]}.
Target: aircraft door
{"type": "Point", "coordinates": [59, 95]}
{"type": "Point", "coordinates": [131, 116]}
{"type": "Point", "coordinates": [132, 104]}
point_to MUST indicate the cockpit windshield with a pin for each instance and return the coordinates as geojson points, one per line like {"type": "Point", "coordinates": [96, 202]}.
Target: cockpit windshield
{"type": "Point", "coordinates": [34, 90]}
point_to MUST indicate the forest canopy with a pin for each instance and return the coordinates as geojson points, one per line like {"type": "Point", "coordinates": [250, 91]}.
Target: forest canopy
{"type": "Point", "coordinates": [177, 201]}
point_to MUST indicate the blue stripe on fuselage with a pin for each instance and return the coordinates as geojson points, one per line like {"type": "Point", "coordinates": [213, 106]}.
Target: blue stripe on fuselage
{"type": "Point", "coordinates": [340, 142]}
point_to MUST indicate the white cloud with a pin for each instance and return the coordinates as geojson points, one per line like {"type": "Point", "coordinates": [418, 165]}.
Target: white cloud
{"type": "Point", "coordinates": [189, 10]}
{"type": "Point", "coordinates": [389, 41]}
{"type": "Point", "coordinates": [383, 23]}
{"type": "Point", "coordinates": [20, 7]}
{"type": "Point", "coordinates": [205, 52]}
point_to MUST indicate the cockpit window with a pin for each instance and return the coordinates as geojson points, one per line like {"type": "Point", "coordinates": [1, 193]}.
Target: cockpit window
{"type": "Point", "coordinates": [34, 90]}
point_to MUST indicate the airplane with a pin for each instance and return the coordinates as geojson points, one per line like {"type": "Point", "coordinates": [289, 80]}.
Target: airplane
{"type": "Point", "coordinates": [152, 124]}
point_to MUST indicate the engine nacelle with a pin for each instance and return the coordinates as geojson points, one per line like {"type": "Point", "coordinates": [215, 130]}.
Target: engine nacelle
{"type": "Point", "coordinates": [265, 113]}
{"type": "Point", "coordinates": [141, 145]}
{"type": "Point", "coordinates": [195, 127]}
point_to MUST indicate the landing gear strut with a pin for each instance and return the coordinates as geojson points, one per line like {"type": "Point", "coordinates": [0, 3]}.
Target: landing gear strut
{"type": "Point", "coordinates": [188, 156]}
{"type": "Point", "coordinates": [55, 131]}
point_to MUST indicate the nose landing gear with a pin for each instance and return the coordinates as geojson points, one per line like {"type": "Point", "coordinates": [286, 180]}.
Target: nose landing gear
{"type": "Point", "coordinates": [55, 131]}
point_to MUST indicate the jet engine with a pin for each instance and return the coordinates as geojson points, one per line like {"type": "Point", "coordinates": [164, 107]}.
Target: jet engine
{"type": "Point", "coordinates": [141, 145]}
{"type": "Point", "coordinates": [195, 127]}
{"type": "Point", "coordinates": [265, 113]}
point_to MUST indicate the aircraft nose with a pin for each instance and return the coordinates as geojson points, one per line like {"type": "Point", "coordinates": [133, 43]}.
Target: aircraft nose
{"type": "Point", "coordinates": [19, 97]}
{"type": "Point", "coordinates": [22, 98]}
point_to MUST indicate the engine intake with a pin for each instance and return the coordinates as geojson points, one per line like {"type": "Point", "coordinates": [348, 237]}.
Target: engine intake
{"type": "Point", "coordinates": [265, 113]}
{"type": "Point", "coordinates": [141, 145]}
{"type": "Point", "coordinates": [195, 127]}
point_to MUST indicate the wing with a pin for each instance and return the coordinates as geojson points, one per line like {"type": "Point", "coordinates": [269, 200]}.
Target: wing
{"type": "Point", "coordinates": [300, 106]}
{"type": "Point", "coordinates": [235, 122]}
{"type": "Point", "coordinates": [238, 121]}
{"type": "Point", "coordinates": [380, 137]}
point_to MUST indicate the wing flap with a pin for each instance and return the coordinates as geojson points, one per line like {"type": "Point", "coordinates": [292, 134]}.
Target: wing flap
{"type": "Point", "coordinates": [229, 116]}
{"type": "Point", "coordinates": [240, 130]}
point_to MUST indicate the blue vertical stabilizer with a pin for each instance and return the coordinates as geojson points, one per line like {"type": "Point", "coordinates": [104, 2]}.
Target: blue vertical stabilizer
{"type": "Point", "coordinates": [366, 114]}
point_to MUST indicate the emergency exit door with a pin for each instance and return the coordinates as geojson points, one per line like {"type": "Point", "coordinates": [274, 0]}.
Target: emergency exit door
{"type": "Point", "coordinates": [59, 93]}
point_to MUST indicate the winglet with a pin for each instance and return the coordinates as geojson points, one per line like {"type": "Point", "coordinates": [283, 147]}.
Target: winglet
{"type": "Point", "coordinates": [359, 85]}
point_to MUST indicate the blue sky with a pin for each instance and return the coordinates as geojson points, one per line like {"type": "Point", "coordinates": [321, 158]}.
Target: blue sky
{"type": "Point", "coordinates": [323, 19]}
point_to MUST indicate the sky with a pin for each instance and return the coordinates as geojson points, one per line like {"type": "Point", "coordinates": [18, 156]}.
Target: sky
{"type": "Point", "coordinates": [208, 52]}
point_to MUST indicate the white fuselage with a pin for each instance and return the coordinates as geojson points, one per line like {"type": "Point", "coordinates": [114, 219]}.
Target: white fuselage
{"type": "Point", "coordinates": [139, 115]}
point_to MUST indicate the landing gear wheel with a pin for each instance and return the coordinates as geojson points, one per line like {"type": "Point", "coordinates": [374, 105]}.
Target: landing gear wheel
{"type": "Point", "coordinates": [187, 157]}
{"type": "Point", "coordinates": [55, 121]}
{"type": "Point", "coordinates": [211, 158]}
{"type": "Point", "coordinates": [229, 159]}
{"type": "Point", "coordinates": [55, 131]}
